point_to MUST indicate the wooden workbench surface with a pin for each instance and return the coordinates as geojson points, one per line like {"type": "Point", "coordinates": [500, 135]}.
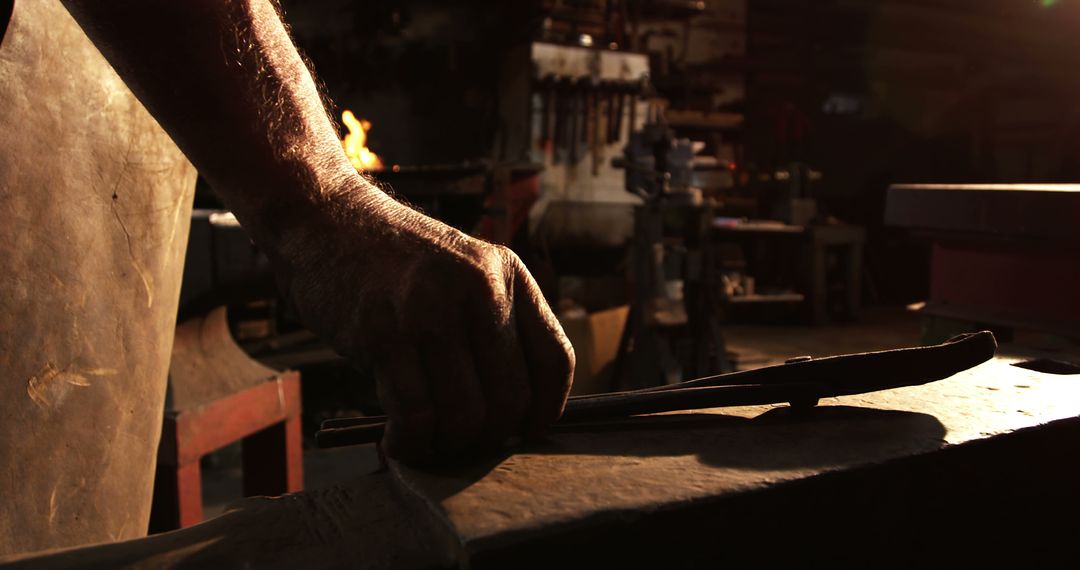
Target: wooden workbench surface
{"type": "Point", "coordinates": [903, 472]}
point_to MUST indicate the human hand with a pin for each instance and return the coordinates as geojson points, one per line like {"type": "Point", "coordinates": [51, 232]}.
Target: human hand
{"type": "Point", "coordinates": [465, 349]}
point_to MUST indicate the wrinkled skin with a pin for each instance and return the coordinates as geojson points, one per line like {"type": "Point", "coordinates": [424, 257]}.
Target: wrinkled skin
{"type": "Point", "coordinates": [466, 351]}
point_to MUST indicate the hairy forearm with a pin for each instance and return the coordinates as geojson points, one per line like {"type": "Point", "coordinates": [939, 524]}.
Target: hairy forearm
{"type": "Point", "coordinates": [466, 353]}
{"type": "Point", "coordinates": [223, 79]}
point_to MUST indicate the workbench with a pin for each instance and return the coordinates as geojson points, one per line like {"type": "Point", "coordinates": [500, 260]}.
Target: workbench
{"type": "Point", "coordinates": [977, 467]}
{"type": "Point", "coordinates": [825, 292]}
{"type": "Point", "coordinates": [1002, 256]}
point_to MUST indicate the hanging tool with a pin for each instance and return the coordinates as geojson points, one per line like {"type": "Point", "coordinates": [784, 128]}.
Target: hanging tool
{"type": "Point", "coordinates": [547, 96]}
{"type": "Point", "coordinates": [587, 90]}
{"type": "Point", "coordinates": [620, 99]}
{"type": "Point", "coordinates": [800, 382]}
{"type": "Point", "coordinates": [635, 92]}
{"type": "Point", "coordinates": [612, 95]}
{"type": "Point", "coordinates": [598, 138]}
{"type": "Point", "coordinates": [574, 109]}
{"type": "Point", "coordinates": [561, 95]}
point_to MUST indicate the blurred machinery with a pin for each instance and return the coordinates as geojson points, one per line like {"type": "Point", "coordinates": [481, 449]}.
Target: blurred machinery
{"type": "Point", "coordinates": [672, 332]}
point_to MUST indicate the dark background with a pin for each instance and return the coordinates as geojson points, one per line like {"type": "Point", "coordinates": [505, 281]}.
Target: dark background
{"type": "Point", "coordinates": [868, 92]}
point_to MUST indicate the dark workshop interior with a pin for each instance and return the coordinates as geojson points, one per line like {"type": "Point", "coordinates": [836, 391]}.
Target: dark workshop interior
{"type": "Point", "coordinates": [818, 262]}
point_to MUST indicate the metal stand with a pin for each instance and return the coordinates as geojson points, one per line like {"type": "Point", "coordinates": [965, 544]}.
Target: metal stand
{"type": "Point", "coordinates": [672, 332]}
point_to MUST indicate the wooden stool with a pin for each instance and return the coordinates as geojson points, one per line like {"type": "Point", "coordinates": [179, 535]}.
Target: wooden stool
{"type": "Point", "coordinates": [217, 396]}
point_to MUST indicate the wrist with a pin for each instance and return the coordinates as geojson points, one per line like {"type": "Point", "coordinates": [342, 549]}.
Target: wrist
{"type": "Point", "coordinates": [280, 208]}
{"type": "Point", "coordinates": [347, 210]}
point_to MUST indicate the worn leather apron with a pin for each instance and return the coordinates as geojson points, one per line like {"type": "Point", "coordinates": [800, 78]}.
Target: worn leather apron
{"type": "Point", "coordinates": [95, 204]}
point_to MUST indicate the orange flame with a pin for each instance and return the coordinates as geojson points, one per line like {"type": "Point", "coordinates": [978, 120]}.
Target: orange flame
{"type": "Point", "coordinates": [355, 143]}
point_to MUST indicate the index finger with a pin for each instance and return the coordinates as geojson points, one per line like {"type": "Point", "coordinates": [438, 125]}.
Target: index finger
{"type": "Point", "coordinates": [548, 353]}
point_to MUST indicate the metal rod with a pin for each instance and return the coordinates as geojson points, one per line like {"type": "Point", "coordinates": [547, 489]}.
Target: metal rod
{"type": "Point", "coordinates": [353, 431]}
{"type": "Point", "coordinates": [801, 383]}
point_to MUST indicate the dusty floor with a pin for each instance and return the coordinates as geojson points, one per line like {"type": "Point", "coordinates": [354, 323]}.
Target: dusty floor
{"type": "Point", "coordinates": [754, 345]}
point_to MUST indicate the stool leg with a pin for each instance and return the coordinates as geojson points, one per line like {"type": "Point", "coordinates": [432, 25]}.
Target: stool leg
{"type": "Point", "coordinates": [177, 497]}
{"type": "Point", "coordinates": [273, 460]}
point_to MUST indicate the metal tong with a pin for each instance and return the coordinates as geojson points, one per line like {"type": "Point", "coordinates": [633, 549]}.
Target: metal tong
{"type": "Point", "coordinates": [800, 382]}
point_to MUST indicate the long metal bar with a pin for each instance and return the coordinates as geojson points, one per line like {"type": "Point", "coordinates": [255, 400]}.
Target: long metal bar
{"type": "Point", "coordinates": [803, 382]}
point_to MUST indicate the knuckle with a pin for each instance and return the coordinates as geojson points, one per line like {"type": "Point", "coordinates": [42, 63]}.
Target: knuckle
{"type": "Point", "coordinates": [509, 256]}
{"type": "Point", "coordinates": [557, 357]}
{"type": "Point", "coordinates": [569, 358]}
{"type": "Point", "coordinates": [510, 262]}
{"type": "Point", "coordinates": [477, 276]}
{"type": "Point", "coordinates": [565, 359]}
{"type": "Point", "coordinates": [504, 252]}
{"type": "Point", "coordinates": [479, 267]}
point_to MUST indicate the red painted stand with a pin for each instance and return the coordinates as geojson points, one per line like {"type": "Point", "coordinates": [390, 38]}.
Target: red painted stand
{"type": "Point", "coordinates": [265, 417]}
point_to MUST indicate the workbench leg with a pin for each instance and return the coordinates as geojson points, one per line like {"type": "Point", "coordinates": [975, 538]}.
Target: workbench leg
{"type": "Point", "coordinates": [274, 460]}
{"type": "Point", "coordinates": [816, 282]}
{"type": "Point", "coordinates": [177, 497]}
{"type": "Point", "coordinates": [854, 283]}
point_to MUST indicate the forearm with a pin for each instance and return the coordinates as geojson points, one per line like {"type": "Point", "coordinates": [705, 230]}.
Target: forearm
{"type": "Point", "coordinates": [223, 79]}
{"type": "Point", "coordinates": [465, 351]}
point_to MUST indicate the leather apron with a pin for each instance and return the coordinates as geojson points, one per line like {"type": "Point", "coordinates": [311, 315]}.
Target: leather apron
{"type": "Point", "coordinates": [95, 204]}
